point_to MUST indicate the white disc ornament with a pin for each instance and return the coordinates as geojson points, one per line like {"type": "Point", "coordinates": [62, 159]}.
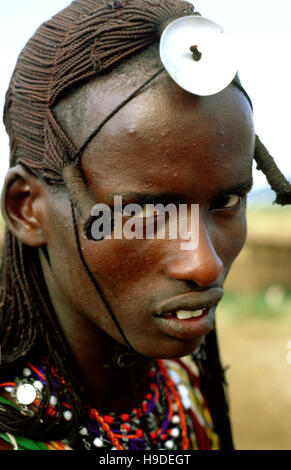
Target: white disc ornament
{"type": "Point", "coordinates": [26, 394]}
{"type": "Point", "coordinates": [198, 55]}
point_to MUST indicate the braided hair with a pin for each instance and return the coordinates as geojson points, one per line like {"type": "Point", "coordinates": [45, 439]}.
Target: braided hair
{"type": "Point", "coordinates": [87, 38]}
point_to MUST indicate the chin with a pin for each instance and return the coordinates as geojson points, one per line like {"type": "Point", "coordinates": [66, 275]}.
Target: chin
{"type": "Point", "coordinates": [176, 350]}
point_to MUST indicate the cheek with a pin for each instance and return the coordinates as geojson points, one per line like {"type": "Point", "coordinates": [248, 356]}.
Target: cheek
{"type": "Point", "coordinates": [124, 265]}
{"type": "Point", "coordinates": [229, 238]}
{"type": "Point", "coordinates": [129, 268]}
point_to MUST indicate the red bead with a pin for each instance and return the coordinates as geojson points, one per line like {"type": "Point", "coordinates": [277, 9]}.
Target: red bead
{"type": "Point", "coordinates": [163, 437]}
{"type": "Point", "coordinates": [149, 396]}
{"type": "Point", "coordinates": [139, 433]}
{"type": "Point", "coordinates": [126, 427]}
{"type": "Point", "coordinates": [108, 419]}
{"type": "Point", "coordinates": [124, 417]}
{"type": "Point", "coordinates": [152, 373]}
{"type": "Point", "coordinates": [51, 411]}
{"type": "Point", "coordinates": [153, 435]}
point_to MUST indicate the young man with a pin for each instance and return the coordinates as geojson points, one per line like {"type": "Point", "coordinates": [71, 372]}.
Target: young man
{"type": "Point", "coordinates": [109, 342]}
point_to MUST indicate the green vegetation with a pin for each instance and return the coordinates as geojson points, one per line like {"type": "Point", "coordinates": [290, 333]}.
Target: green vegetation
{"type": "Point", "coordinates": [273, 303]}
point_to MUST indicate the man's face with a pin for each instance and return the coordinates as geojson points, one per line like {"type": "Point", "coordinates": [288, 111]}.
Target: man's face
{"type": "Point", "coordinates": [166, 146]}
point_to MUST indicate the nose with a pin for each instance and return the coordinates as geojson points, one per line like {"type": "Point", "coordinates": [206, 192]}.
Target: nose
{"type": "Point", "coordinates": [201, 265]}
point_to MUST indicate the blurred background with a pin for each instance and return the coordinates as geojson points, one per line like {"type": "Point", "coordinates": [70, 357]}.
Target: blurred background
{"type": "Point", "coordinates": [254, 327]}
{"type": "Point", "coordinates": [254, 318]}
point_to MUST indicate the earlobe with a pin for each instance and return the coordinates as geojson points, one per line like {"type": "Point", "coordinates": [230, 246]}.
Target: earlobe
{"type": "Point", "coordinates": [20, 199]}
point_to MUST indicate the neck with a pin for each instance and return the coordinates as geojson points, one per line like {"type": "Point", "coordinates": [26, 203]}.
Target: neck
{"type": "Point", "coordinates": [113, 376]}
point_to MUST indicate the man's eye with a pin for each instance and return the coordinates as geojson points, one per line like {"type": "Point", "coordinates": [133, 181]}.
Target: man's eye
{"type": "Point", "coordinates": [227, 202]}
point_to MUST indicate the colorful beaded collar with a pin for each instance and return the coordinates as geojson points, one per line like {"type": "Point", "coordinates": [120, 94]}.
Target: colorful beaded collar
{"type": "Point", "coordinates": [157, 423]}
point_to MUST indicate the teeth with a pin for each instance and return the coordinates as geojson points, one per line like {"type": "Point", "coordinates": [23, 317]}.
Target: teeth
{"type": "Point", "coordinates": [185, 314]}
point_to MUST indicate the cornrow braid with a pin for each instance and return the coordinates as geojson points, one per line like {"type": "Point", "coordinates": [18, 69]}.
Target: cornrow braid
{"type": "Point", "coordinates": [275, 178]}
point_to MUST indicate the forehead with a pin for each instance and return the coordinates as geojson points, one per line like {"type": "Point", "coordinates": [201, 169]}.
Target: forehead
{"type": "Point", "coordinates": [163, 137]}
{"type": "Point", "coordinates": [91, 102]}
{"type": "Point", "coordinates": [167, 135]}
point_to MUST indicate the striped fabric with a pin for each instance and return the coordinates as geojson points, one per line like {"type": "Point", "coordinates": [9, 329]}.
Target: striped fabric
{"type": "Point", "coordinates": [185, 374]}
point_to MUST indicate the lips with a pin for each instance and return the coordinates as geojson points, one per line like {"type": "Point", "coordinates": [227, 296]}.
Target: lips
{"type": "Point", "coordinates": [190, 316]}
{"type": "Point", "coordinates": [192, 302]}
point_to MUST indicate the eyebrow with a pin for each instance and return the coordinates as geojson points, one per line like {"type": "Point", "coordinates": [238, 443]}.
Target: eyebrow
{"type": "Point", "coordinates": [239, 188]}
{"type": "Point", "coordinates": [166, 198]}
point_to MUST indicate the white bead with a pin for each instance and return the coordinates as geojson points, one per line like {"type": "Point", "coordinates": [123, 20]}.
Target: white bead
{"type": "Point", "coordinates": [176, 419]}
{"type": "Point", "coordinates": [53, 400]}
{"type": "Point", "coordinates": [26, 372]}
{"type": "Point", "coordinates": [37, 384]}
{"type": "Point", "coordinates": [98, 442]}
{"type": "Point", "coordinates": [26, 394]}
{"type": "Point", "coordinates": [67, 415]}
{"type": "Point", "coordinates": [8, 389]}
{"type": "Point", "coordinates": [175, 432]}
{"type": "Point", "coordinates": [84, 431]}
{"type": "Point", "coordinates": [169, 444]}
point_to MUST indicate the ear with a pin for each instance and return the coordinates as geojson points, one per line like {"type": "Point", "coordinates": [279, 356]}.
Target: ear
{"type": "Point", "coordinates": [22, 197]}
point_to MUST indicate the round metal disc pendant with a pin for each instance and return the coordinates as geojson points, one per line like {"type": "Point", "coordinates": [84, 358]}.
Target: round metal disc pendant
{"type": "Point", "coordinates": [198, 55]}
{"type": "Point", "coordinates": [26, 394]}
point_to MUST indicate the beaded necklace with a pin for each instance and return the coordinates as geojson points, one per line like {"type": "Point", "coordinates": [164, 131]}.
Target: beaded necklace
{"type": "Point", "coordinates": [125, 432]}
{"type": "Point", "coordinates": [148, 426]}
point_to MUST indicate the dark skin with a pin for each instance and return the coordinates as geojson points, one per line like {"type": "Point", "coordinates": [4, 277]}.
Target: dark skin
{"type": "Point", "coordinates": [167, 143]}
